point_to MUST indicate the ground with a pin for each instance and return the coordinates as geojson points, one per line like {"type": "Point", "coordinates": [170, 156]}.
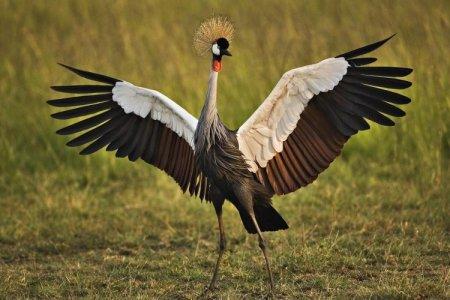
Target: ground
{"type": "Point", "coordinates": [375, 224]}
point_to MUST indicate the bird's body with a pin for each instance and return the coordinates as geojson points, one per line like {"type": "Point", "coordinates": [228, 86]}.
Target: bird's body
{"type": "Point", "coordinates": [218, 156]}
{"type": "Point", "coordinates": [298, 130]}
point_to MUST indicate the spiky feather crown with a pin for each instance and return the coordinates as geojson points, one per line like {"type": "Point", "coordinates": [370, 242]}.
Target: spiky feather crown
{"type": "Point", "coordinates": [210, 30]}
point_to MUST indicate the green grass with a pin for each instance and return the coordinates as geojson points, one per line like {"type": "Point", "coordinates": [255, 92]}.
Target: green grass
{"type": "Point", "coordinates": [375, 224]}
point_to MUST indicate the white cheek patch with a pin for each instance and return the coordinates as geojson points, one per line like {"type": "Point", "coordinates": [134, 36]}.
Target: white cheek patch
{"type": "Point", "coordinates": [215, 49]}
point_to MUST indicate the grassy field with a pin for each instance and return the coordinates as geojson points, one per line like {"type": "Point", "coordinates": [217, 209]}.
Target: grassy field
{"type": "Point", "coordinates": [376, 224]}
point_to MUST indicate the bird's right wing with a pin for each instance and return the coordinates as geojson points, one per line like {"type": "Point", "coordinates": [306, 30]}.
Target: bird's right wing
{"type": "Point", "coordinates": [136, 123]}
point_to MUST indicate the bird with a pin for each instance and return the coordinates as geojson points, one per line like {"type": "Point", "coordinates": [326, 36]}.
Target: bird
{"type": "Point", "coordinates": [292, 137]}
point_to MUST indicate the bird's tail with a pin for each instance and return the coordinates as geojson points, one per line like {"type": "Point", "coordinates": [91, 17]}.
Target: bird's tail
{"type": "Point", "coordinates": [267, 217]}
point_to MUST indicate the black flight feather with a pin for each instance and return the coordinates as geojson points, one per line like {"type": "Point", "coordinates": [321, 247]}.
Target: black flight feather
{"type": "Point", "coordinates": [94, 133]}
{"type": "Point", "coordinates": [80, 100]}
{"type": "Point", "coordinates": [331, 113]}
{"type": "Point", "coordinates": [374, 92]}
{"type": "Point", "coordinates": [391, 83]}
{"type": "Point", "coordinates": [139, 150]}
{"type": "Point", "coordinates": [82, 89]}
{"type": "Point", "coordinates": [361, 61]}
{"type": "Point", "coordinates": [365, 49]}
{"type": "Point", "coordinates": [375, 116]}
{"type": "Point", "coordinates": [374, 104]}
{"type": "Point", "coordinates": [91, 75]}
{"type": "Point", "coordinates": [90, 122]}
{"type": "Point", "coordinates": [106, 138]}
{"type": "Point", "coordinates": [380, 71]}
{"type": "Point", "coordinates": [83, 110]}
{"type": "Point", "coordinates": [137, 138]}
{"type": "Point", "coordinates": [122, 137]}
{"type": "Point", "coordinates": [126, 148]}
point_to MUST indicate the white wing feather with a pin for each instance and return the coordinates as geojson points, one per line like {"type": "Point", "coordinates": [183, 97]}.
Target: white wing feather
{"type": "Point", "coordinates": [261, 137]}
{"type": "Point", "coordinates": [142, 102]}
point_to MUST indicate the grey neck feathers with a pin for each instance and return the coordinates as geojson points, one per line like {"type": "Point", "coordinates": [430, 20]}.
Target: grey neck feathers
{"type": "Point", "coordinates": [210, 129]}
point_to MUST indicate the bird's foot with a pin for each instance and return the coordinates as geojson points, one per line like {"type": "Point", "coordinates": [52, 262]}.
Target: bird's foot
{"type": "Point", "coordinates": [208, 291]}
{"type": "Point", "coordinates": [271, 294]}
{"type": "Point", "coordinates": [206, 294]}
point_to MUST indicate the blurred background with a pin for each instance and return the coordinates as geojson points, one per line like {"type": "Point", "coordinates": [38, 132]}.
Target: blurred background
{"type": "Point", "coordinates": [376, 223]}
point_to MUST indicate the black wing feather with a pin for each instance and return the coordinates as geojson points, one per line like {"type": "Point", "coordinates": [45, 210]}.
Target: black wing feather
{"type": "Point", "coordinates": [365, 49]}
{"type": "Point", "coordinates": [94, 133]}
{"type": "Point", "coordinates": [80, 100]}
{"type": "Point", "coordinates": [91, 75]}
{"type": "Point", "coordinates": [373, 92]}
{"type": "Point", "coordinates": [106, 138]}
{"type": "Point", "coordinates": [124, 134]}
{"type": "Point", "coordinates": [125, 148]}
{"type": "Point", "coordinates": [380, 71]}
{"type": "Point", "coordinates": [91, 122]}
{"type": "Point", "coordinates": [374, 104]}
{"type": "Point", "coordinates": [82, 89]}
{"type": "Point", "coordinates": [361, 61]}
{"type": "Point", "coordinates": [139, 150]}
{"type": "Point", "coordinates": [83, 110]}
{"type": "Point", "coordinates": [386, 82]}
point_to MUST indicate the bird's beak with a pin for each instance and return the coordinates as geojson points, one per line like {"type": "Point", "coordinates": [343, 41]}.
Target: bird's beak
{"type": "Point", "coordinates": [226, 52]}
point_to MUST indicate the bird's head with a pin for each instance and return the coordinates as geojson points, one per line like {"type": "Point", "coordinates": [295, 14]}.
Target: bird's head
{"type": "Point", "coordinates": [218, 49]}
{"type": "Point", "coordinates": [214, 35]}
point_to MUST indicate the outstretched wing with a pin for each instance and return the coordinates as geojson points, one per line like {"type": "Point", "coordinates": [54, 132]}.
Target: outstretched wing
{"type": "Point", "coordinates": [136, 123]}
{"type": "Point", "coordinates": [303, 124]}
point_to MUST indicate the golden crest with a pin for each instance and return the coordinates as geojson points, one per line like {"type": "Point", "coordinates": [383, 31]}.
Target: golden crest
{"type": "Point", "coordinates": [210, 30]}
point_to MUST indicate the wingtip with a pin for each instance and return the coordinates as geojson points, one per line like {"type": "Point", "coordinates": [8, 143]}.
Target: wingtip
{"type": "Point", "coordinates": [366, 49]}
{"type": "Point", "coordinates": [84, 152]}
{"type": "Point", "coordinates": [71, 143]}
{"type": "Point", "coordinates": [55, 116]}
{"type": "Point", "coordinates": [388, 38]}
{"type": "Point", "coordinates": [390, 123]}
{"type": "Point", "coordinates": [90, 75]}
{"type": "Point", "coordinates": [65, 66]}
{"type": "Point", "coordinates": [60, 132]}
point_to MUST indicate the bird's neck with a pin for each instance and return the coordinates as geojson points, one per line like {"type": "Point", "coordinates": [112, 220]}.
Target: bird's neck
{"type": "Point", "coordinates": [210, 128]}
{"type": "Point", "coordinates": [210, 108]}
{"type": "Point", "coordinates": [216, 64]}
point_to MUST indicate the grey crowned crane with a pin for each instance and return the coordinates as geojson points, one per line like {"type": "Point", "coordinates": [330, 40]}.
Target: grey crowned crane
{"type": "Point", "coordinates": [294, 135]}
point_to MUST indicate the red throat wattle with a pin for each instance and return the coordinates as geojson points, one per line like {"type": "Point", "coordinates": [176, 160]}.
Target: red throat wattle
{"type": "Point", "coordinates": [216, 65]}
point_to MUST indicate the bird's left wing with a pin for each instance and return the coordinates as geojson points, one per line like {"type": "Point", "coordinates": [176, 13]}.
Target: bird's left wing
{"type": "Point", "coordinates": [303, 124]}
{"type": "Point", "coordinates": [136, 123]}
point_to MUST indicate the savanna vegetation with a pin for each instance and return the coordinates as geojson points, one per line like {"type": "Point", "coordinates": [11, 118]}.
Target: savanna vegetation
{"type": "Point", "coordinates": [375, 224]}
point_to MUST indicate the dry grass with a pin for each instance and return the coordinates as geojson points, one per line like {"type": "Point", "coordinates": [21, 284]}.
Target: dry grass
{"type": "Point", "coordinates": [375, 224]}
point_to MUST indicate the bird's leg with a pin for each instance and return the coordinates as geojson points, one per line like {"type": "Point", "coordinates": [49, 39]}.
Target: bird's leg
{"type": "Point", "coordinates": [222, 245]}
{"type": "Point", "coordinates": [263, 246]}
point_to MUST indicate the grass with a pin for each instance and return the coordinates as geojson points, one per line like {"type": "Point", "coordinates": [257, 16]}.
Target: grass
{"type": "Point", "coordinates": [375, 224]}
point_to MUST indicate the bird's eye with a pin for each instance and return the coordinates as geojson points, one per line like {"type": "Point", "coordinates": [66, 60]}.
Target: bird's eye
{"type": "Point", "coordinates": [215, 49]}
